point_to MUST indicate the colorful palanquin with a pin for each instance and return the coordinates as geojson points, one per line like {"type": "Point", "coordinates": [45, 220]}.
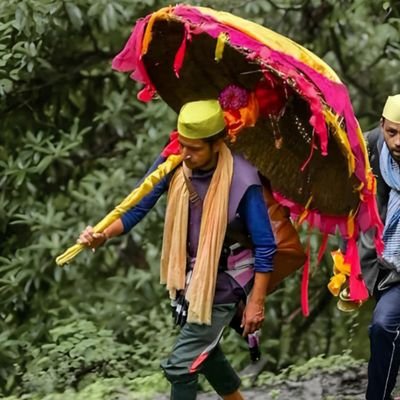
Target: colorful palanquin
{"type": "Point", "coordinates": [279, 70]}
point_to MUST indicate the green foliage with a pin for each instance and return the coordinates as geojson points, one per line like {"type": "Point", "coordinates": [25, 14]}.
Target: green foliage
{"type": "Point", "coordinates": [74, 141]}
{"type": "Point", "coordinates": [74, 352]}
{"type": "Point", "coordinates": [107, 388]}
{"type": "Point", "coordinates": [77, 353]}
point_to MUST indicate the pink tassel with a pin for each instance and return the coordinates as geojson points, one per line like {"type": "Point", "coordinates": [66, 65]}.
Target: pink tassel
{"type": "Point", "coordinates": [126, 59]}
{"type": "Point", "coordinates": [304, 283]}
{"type": "Point", "coordinates": [302, 168]}
{"type": "Point", "coordinates": [358, 289]}
{"type": "Point", "coordinates": [322, 248]}
{"type": "Point", "coordinates": [146, 94]}
{"type": "Point", "coordinates": [180, 55]}
{"type": "Point", "coordinates": [379, 242]}
{"type": "Point", "coordinates": [173, 146]}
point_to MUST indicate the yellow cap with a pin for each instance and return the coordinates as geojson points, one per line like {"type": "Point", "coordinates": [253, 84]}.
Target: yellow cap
{"type": "Point", "coordinates": [200, 119]}
{"type": "Point", "coordinates": [391, 111]}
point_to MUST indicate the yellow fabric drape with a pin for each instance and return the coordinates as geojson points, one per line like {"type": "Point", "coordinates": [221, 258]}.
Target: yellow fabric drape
{"type": "Point", "coordinates": [219, 48]}
{"type": "Point", "coordinates": [163, 13]}
{"type": "Point", "coordinates": [273, 40]}
{"type": "Point", "coordinates": [200, 292]}
{"type": "Point", "coordinates": [132, 199]}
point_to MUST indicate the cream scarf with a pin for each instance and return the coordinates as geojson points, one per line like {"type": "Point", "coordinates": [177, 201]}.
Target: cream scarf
{"type": "Point", "coordinates": [200, 293]}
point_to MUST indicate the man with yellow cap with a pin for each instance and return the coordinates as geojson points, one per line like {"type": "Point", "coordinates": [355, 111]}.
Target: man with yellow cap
{"type": "Point", "coordinates": [382, 274]}
{"type": "Point", "coordinates": [217, 249]}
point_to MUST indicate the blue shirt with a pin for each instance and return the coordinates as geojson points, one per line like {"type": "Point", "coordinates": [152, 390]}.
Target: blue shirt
{"type": "Point", "coordinates": [252, 210]}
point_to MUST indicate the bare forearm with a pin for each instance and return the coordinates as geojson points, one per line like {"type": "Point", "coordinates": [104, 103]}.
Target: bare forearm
{"type": "Point", "coordinates": [253, 315]}
{"type": "Point", "coordinates": [261, 281]}
{"type": "Point", "coordinates": [115, 229]}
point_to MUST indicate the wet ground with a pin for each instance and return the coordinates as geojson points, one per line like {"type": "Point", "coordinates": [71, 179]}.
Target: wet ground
{"type": "Point", "coordinates": [345, 385]}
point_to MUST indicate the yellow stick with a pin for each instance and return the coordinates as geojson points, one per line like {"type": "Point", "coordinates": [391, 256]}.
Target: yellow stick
{"type": "Point", "coordinates": [131, 200]}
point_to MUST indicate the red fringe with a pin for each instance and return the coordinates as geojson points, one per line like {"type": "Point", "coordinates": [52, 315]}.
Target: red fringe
{"type": "Point", "coordinates": [304, 283]}
{"type": "Point", "coordinates": [173, 146]}
{"type": "Point", "coordinates": [322, 248]}
{"type": "Point", "coordinates": [358, 289]}
{"type": "Point", "coordinates": [179, 56]}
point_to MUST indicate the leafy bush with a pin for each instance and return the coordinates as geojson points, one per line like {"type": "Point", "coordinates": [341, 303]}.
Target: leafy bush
{"type": "Point", "coordinates": [74, 352]}
{"type": "Point", "coordinates": [73, 142]}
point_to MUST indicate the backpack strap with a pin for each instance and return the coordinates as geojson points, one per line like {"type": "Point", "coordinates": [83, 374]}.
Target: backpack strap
{"type": "Point", "coordinates": [194, 197]}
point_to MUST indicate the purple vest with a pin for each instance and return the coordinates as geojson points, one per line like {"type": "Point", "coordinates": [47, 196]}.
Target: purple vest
{"type": "Point", "coordinates": [244, 175]}
{"type": "Point", "coordinates": [233, 285]}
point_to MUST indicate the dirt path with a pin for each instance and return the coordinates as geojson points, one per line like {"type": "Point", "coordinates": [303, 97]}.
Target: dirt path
{"type": "Point", "coordinates": [348, 384]}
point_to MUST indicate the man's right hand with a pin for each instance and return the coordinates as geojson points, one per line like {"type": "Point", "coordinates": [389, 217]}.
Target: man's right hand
{"type": "Point", "coordinates": [91, 239]}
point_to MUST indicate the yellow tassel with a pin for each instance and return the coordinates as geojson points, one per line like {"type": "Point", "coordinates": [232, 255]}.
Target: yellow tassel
{"type": "Point", "coordinates": [341, 271]}
{"type": "Point", "coordinates": [335, 284]}
{"type": "Point", "coordinates": [131, 200]}
{"type": "Point", "coordinates": [219, 48]}
{"type": "Point", "coordinates": [371, 182]}
{"type": "Point", "coordinates": [305, 213]}
{"type": "Point", "coordinates": [339, 266]}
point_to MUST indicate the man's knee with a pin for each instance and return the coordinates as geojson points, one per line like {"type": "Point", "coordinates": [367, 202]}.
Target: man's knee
{"type": "Point", "coordinates": [183, 384]}
{"type": "Point", "coordinates": [380, 328]}
{"type": "Point", "coordinates": [177, 374]}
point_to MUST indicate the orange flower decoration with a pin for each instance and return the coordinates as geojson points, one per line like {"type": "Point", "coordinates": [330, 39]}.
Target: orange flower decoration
{"type": "Point", "coordinates": [240, 109]}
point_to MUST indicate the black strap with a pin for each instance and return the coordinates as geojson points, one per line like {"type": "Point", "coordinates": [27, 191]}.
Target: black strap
{"type": "Point", "coordinates": [193, 195]}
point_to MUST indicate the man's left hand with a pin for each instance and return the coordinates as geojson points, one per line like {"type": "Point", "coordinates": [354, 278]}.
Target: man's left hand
{"type": "Point", "coordinates": [253, 317]}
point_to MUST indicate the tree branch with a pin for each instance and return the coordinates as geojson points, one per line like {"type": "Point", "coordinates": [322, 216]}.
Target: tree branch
{"type": "Point", "coordinates": [343, 66]}
{"type": "Point", "coordinates": [296, 7]}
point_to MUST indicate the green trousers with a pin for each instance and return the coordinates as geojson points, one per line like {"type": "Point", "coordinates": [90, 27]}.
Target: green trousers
{"type": "Point", "coordinates": [197, 351]}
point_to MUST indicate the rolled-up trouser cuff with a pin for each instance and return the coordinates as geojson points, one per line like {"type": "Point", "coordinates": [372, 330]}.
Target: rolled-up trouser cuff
{"type": "Point", "coordinates": [220, 374]}
{"type": "Point", "coordinates": [183, 387]}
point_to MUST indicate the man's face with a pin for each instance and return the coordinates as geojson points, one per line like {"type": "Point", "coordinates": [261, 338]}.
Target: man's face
{"type": "Point", "coordinates": [198, 154]}
{"type": "Point", "coordinates": [391, 133]}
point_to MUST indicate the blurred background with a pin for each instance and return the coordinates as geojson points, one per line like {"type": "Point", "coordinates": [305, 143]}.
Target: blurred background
{"type": "Point", "coordinates": [74, 140]}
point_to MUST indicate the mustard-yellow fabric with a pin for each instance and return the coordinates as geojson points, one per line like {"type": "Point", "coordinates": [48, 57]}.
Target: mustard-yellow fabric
{"type": "Point", "coordinates": [219, 48]}
{"type": "Point", "coordinates": [163, 13]}
{"type": "Point", "coordinates": [200, 292]}
{"type": "Point", "coordinates": [273, 40]}
{"type": "Point", "coordinates": [132, 199]}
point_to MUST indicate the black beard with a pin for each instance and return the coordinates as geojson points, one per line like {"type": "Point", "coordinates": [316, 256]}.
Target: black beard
{"type": "Point", "coordinates": [395, 158]}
